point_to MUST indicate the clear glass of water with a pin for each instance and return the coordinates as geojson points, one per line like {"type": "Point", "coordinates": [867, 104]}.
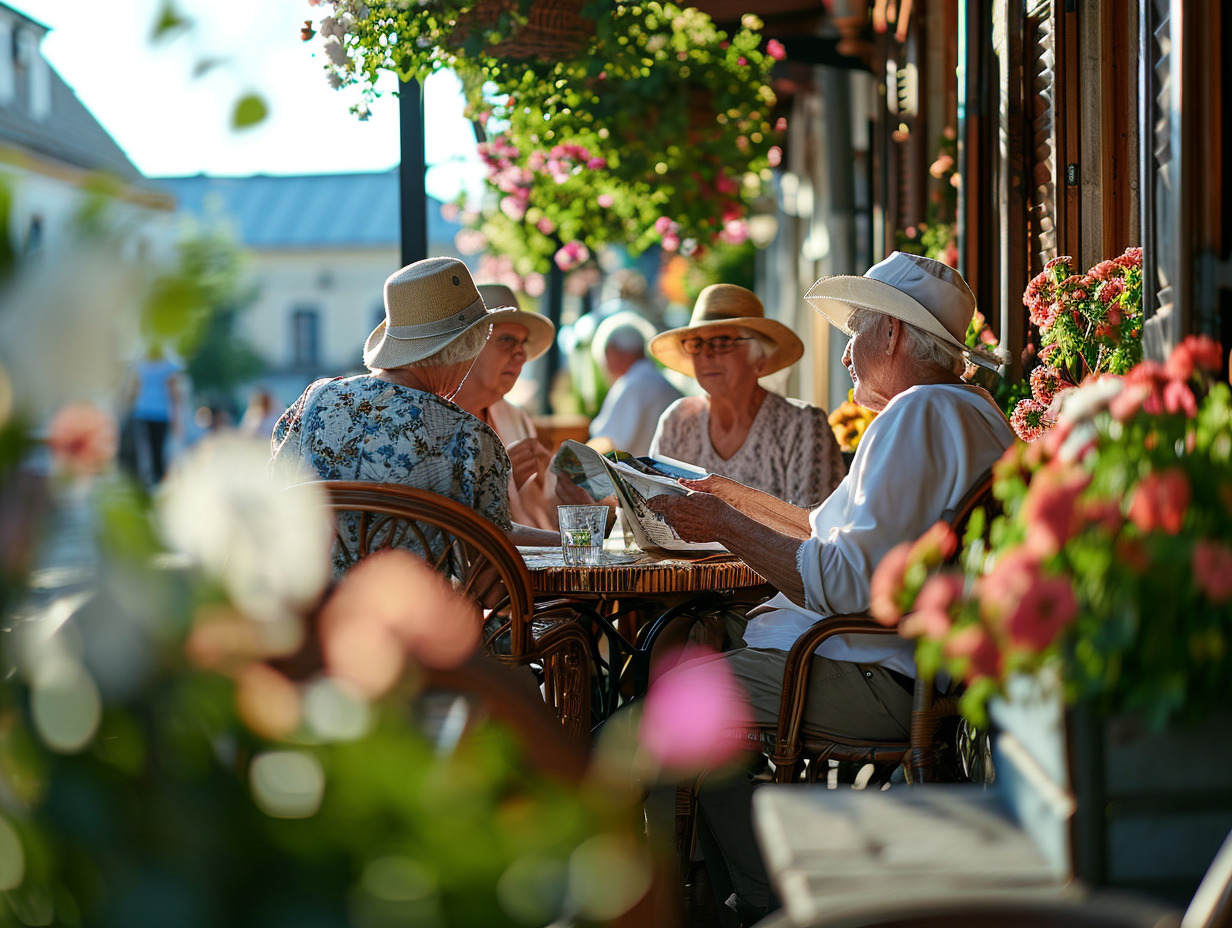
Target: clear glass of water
{"type": "Point", "coordinates": [581, 534]}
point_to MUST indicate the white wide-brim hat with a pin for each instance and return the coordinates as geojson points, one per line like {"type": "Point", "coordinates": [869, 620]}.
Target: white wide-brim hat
{"type": "Point", "coordinates": [540, 332]}
{"type": "Point", "coordinates": [728, 304]}
{"type": "Point", "coordinates": [428, 305]}
{"type": "Point", "coordinates": [926, 293]}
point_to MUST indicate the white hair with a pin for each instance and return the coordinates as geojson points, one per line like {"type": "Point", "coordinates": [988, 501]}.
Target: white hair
{"type": "Point", "coordinates": [760, 348]}
{"type": "Point", "coordinates": [626, 338]}
{"type": "Point", "coordinates": [920, 344]}
{"type": "Point", "coordinates": [465, 347]}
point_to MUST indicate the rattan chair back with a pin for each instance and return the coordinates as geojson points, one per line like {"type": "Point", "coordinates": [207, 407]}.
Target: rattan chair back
{"type": "Point", "coordinates": [480, 560]}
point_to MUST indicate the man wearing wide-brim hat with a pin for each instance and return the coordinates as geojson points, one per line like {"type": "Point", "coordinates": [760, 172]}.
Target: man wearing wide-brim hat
{"type": "Point", "coordinates": [933, 438]}
{"type": "Point", "coordinates": [738, 428]}
{"type": "Point", "coordinates": [397, 424]}
{"type": "Point", "coordinates": [518, 338]}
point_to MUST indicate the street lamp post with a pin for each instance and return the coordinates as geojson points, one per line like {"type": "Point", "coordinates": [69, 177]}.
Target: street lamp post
{"type": "Point", "coordinates": [411, 174]}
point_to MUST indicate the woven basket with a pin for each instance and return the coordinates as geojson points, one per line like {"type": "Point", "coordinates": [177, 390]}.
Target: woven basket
{"type": "Point", "coordinates": [555, 29]}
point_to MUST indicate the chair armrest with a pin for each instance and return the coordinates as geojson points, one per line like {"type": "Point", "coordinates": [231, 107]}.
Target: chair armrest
{"type": "Point", "coordinates": [796, 675]}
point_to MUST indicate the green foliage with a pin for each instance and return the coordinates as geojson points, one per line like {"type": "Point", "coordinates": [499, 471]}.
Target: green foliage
{"type": "Point", "coordinates": [656, 128]}
{"type": "Point", "coordinates": [935, 237]}
{"type": "Point", "coordinates": [197, 307]}
{"type": "Point", "coordinates": [1112, 557]}
{"type": "Point", "coordinates": [1090, 324]}
{"type": "Point", "coordinates": [8, 247]}
{"type": "Point", "coordinates": [170, 22]}
{"type": "Point", "coordinates": [249, 110]}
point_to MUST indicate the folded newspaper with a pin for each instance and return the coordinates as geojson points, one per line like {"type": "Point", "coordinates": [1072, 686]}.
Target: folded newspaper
{"type": "Point", "coordinates": [632, 481]}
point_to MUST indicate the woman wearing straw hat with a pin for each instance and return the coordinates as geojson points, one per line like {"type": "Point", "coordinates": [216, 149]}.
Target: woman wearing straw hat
{"type": "Point", "coordinates": [738, 428]}
{"type": "Point", "coordinates": [397, 423]}
{"type": "Point", "coordinates": [519, 337]}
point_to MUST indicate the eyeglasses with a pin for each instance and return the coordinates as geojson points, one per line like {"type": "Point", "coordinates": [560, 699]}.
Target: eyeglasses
{"type": "Point", "coordinates": [720, 344]}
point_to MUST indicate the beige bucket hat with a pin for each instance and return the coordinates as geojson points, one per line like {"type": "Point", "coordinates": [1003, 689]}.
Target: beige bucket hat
{"type": "Point", "coordinates": [927, 293]}
{"type": "Point", "coordinates": [540, 332]}
{"type": "Point", "coordinates": [728, 304]}
{"type": "Point", "coordinates": [428, 304]}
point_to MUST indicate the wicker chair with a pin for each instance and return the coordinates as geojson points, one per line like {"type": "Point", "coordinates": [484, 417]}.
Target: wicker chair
{"type": "Point", "coordinates": [455, 540]}
{"type": "Point", "coordinates": [801, 755]}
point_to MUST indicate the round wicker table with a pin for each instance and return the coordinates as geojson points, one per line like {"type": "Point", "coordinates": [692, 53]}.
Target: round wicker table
{"type": "Point", "coordinates": [638, 573]}
{"type": "Point", "coordinates": [630, 598]}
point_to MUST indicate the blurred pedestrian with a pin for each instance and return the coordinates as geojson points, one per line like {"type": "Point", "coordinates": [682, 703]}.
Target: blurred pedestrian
{"type": "Point", "coordinates": [639, 393]}
{"type": "Point", "coordinates": [154, 398]}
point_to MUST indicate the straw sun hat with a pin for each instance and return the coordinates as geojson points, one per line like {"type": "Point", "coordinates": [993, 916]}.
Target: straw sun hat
{"type": "Point", "coordinates": [540, 332]}
{"type": "Point", "coordinates": [428, 304]}
{"type": "Point", "coordinates": [927, 293]}
{"type": "Point", "coordinates": [728, 304]}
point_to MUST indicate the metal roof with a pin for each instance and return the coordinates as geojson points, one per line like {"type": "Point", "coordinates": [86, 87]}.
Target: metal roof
{"type": "Point", "coordinates": [306, 211]}
{"type": "Point", "coordinates": [69, 133]}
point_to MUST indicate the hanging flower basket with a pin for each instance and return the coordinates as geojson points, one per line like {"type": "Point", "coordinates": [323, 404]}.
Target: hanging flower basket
{"type": "Point", "coordinates": [551, 30]}
{"type": "Point", "coordinates": [660, 130]}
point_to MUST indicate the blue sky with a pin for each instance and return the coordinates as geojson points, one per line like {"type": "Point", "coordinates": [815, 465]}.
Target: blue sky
{"type": "Point", "coordinates": [170, 122]}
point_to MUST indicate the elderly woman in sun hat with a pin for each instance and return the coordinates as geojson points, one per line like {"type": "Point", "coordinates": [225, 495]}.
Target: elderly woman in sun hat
{"type": "Point", "coordinates": [517, 338]}
{"type": "Point", "coordinates": [935, 435]}
{"type": "Point", "coordinates": [738, 428]}
{"type": "Point", "coordinates": [397, 423]}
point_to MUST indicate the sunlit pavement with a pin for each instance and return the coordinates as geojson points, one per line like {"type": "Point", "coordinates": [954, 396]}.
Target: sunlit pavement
{"type": "Point", "coordinates": [67, 559]}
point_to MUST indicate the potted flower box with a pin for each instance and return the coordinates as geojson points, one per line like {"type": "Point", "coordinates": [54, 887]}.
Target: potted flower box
{"type": "Point", "coordinates": [1092, 622]}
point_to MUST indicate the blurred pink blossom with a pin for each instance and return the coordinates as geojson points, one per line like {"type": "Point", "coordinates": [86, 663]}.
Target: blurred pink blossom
{"type": "Point", "coordinates": [470, 241]}
{"type": "Point", "coordinates": [83, 439]}
{"type": "Point", "coordinates": [887, 583]}
{"type": "Point", "coordinates": [1046, 607]}
{"type": "Point", "coordinates": [977, 646]}
{"type": "Point", "coordinates": [605, 200]}
{"type": "Point", "coordinates": [775, 49]}
{"type": "Point", "coordinates": [533, 284]}
{"type": "Point", "coordinates": [1212, 567]}
{"type": "Point", "coordinates": [926, 623]}
{"type": "Point", "coordinates": [1194, 352]}
{"type": "Point", "coordinates": [512, 207]}
{"type": "Point", "coordinates": [735, 232]}
{"type": "Point", "coordinates": [695, 714]}
{"type": "Point", "coordinates": [1051, 509]}
{"type": "Point", "coordinates": [1161, 501]}
{"type": "Point", "coordinates": [570, 255]}
{"type": "Point", "coordinates": [389, 604]}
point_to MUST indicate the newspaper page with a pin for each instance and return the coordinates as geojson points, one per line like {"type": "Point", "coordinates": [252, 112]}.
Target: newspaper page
{"type": "Point", "coordinates": [633, 481]}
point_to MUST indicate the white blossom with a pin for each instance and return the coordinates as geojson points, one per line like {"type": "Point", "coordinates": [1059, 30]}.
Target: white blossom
{"type": "Point", "coordinates": [269, 546]}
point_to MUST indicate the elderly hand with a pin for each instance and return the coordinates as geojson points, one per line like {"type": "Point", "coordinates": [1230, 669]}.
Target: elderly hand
{"type": "Point", "coordinates": [732, 492]}
{"type": "Point", "coordinates": [529, 459]}
{"type": "Point", "coordinates": [696, 517]}
{"type": "Point", "coordinates": [570, 494]}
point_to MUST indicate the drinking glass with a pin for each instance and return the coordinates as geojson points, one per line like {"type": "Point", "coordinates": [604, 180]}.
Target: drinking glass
{"type": "Point", "coordinates": [581, 534]}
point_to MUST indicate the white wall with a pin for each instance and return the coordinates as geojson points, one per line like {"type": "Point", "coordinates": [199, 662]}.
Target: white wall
{"type": "Point", "coordinates": [343, 285]}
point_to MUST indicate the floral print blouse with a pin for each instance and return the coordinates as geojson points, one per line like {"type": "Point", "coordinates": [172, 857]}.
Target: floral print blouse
{"type": "Point", "coordinates": [364, 428]}
{"type": "Point", "coordinates": [790, 451]}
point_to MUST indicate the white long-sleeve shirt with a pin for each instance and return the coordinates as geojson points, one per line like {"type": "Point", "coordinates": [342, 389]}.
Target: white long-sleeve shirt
{"type": "Point", "coordinates": [917, 459]}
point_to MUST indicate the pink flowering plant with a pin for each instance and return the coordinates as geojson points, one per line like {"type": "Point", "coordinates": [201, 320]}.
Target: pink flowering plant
{"type": "Point", "coordinates": [1111, 557]}
{"type": "Point", "coordinates": [658, 128]}
{"type": "Point", "coordinates": [1089, 324]}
